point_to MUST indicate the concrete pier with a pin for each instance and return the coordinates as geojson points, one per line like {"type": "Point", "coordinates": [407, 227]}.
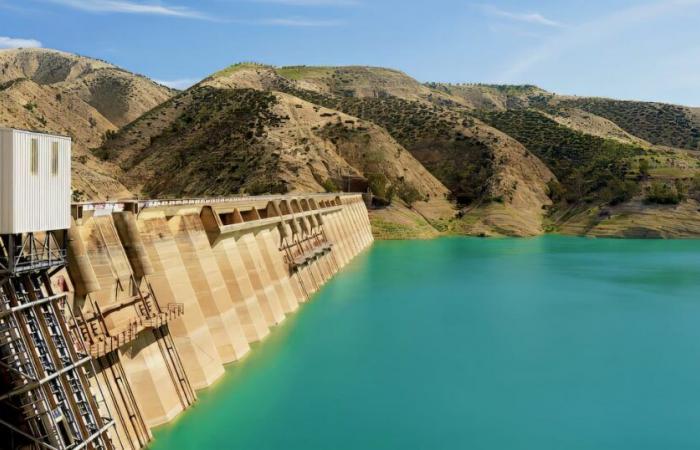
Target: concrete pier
{"type": "Point", "coordinates": [168, 292]}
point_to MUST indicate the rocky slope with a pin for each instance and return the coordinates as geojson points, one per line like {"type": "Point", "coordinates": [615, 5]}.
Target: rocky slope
{"type": "Point", "coordinates": [51, 91]}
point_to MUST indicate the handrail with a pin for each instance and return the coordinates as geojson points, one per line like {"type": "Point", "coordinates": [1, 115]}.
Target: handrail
{"type": "Point", "coordinates": [213, 200]}
{"type": "Point", "coordinates": [104, 344]}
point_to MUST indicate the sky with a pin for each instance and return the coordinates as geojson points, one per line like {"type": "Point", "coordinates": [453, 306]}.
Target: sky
{"type": "Point", "coordinates": [642, 50]}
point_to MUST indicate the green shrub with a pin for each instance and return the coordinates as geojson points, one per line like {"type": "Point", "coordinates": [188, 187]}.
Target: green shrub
{"type": "Point", "coordinates": [261, 187]}
{"type": "Point", "coordinates": [408, 193]}
{"type": "Point", "coordinates": [379, 185]}
{"type": "Point", "coordinates": [644, 167]}
{"type": "Point", "coordinates": [663, 194]}
{"type": "Point", "coordinates": [618, 191]}
{"type": "Point", "coordinates": [556, 191]}
{"type": "Point", "coordinates": [330, 186]}
{"type": "Point", "coordinates": [695, 187]}
{"type": "Point", "coordinates": [682, 189]}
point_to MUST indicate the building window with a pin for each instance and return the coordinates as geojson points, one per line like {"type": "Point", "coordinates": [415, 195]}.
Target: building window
{"type": "Point", "coordinates": [54, 158]}
{"type": "Point", "coordinates": [35, 157]}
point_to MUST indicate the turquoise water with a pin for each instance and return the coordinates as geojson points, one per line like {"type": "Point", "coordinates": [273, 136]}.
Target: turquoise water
{"type": "Point", "coordinates": [550, 343]}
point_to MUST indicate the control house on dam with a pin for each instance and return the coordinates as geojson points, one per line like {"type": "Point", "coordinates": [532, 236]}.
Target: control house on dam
{"type": "Point", "coordinates": [113, 315]}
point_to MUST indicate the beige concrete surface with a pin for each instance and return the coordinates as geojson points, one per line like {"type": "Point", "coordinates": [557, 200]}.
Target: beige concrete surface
{"type": "Point", "coordinates": [238, 267]}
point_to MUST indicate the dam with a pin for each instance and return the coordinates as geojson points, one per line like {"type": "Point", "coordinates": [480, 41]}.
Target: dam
{"type": "Point", "coordinates": [113, 315]}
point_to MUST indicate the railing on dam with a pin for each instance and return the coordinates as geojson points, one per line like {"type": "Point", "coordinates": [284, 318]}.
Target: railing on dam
{"type": "Point", "coordinates": [136, 205]}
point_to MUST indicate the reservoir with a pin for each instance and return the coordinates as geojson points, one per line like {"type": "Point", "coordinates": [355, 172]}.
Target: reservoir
{"type": "Point", "coordinates": [457, 343]}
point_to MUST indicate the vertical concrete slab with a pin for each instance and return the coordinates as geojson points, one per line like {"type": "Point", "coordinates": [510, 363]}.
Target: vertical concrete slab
{"type": "Point", "coordinates": [335, 235]}
{"type": "Point", "coordinates": [347, 234]}
{"type": "Point", "coordinates": [127, 431]}
{"type": "Point", "coordinates": [171, 284]}
{"type": "Point", "coordinates": [357, 220]}
{"type": "Point", "coordinates": [141, 359]}
{"type": "Point", "coordinates": [260, 278]}
{"type": "Point", "coordinates": [209, 286]}
{"type": "Point", "coordinates": [248, 308]}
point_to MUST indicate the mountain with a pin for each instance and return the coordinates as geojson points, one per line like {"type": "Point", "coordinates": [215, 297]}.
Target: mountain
{"type": "Point", "coordinates": [513, 160]}
{"type": "Point", "coordinates": [56, 92]}
{"type": "Point", "coordinates": [219, 141]}
{"type": "Point", "coordinates": [613, 168]}
{"type": "Point", "coordinates": [227, 135]}
{"type": "Point", "coordinates": [256, 129]}
{"type": "Point", "coordinates": [472, 159]}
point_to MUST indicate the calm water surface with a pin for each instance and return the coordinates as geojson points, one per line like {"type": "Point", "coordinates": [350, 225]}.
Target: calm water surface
{"type": "Point", "coordinates": [550, 343]}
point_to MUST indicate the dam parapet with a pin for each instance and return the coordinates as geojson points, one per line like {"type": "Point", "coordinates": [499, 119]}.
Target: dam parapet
{"type": "Point", "coordinates": [139, 304]}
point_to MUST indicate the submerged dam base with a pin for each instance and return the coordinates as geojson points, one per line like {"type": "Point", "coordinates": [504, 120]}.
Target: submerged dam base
{"type": "Point", "coordinates": [158, 296]}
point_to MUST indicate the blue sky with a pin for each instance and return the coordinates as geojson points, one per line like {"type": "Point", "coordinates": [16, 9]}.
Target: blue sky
{"type": "Point", "coordinates": [646, 50]}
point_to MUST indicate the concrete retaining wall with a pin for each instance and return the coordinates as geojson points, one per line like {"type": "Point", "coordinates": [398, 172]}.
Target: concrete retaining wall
{"type": "Point", "coordinates": [184, 287]}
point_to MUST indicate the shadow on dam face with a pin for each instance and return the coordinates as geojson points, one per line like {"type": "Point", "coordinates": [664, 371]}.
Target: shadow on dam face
{"type": "Point", "coordinates": [167, 292]}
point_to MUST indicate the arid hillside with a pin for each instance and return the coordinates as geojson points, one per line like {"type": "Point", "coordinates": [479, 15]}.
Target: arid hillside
{"type": "Point", "coordinates": [608, 167]}
{"type": "Point", "coordinates": [84, 98]}
{"type": "Point", "coordinates": [217, 140]}
{"type": "Point", "coordinates": [441, 158]}
{"type": "Point", "coordinates": [512, 160]}
{"type": "Point", "coordinates": [481, 166]}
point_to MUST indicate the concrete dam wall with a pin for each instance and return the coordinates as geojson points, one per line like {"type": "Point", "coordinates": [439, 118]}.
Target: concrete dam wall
{"type": "Point", "coordinates": [164, 294]}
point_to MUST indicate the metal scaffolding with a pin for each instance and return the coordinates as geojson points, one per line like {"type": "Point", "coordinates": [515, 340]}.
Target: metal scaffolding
{"type": "Point", "coordinates": [46, 400]}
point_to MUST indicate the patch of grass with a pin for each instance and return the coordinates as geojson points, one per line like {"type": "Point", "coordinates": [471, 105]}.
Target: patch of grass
{"type": "Point", "coordinates": [304, 72]}
{"type": "Point", "coordinates": [386, 230]}
{"type": "Point", "coordinates": [230, 70]}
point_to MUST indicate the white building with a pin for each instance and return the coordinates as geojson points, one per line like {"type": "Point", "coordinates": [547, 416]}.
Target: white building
{"type": "Point", "coordinates": [35, 176]}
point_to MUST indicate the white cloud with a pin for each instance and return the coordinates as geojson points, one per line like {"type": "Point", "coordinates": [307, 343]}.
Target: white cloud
{"type": "Point", "coordinates": [529, 17]}
{"type": "Point", "coordinates": [132, 7]}
{"type": "Point", "coordinates": [8, 42]}
{"type": "Point", "coordinates": [180, 84]}
{"type": "Point", "coordinates": [591, 33]}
